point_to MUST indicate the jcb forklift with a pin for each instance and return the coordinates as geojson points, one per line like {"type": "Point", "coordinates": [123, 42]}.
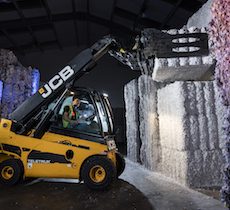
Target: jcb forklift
{"type": "Point", "coordinates": [34, 142]}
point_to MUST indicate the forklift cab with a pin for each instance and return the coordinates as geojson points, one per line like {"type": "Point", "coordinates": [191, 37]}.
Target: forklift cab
{"type": "Point", "coordinates": [94, 120]}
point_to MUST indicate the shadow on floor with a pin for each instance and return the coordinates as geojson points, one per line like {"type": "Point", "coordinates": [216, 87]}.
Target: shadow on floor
{"type": "Point", "coordinates": [71, 196]}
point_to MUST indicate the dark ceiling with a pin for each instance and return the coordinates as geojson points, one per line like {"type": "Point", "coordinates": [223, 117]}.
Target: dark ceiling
{"type": "Point", "coordinates": [38, 25]}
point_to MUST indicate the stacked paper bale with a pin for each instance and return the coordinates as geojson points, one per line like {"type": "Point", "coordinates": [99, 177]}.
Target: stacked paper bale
{"type": "Point", "coordinates": [221, 42]}
{"type": "Point", "coordinates": [142, 122]}
{"type": "Point", "coordinates": [189, 133]}
{"type": "Point", "coordinates": [184, 68]}
{"type": "Point", "coordinates": [148, 118]}
{"type": "Point", "coordinates": [132, 121]}
{"type": "Point", "coordinates": [179, 134]}
{"type": "Point", "coordinates": [19, 82]}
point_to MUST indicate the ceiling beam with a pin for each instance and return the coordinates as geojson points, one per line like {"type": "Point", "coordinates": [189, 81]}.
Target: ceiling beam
{"type": "Point", "coordinates": [81, 16]}
{"type": "Point", "coordinates": [13, 43]}
{"type": "Point", "coordinates": [171, 14]}
{"type": "Point", "coordinates": [21, 15]}
{"type": "Point", "coordinates": [75, 22]}
{"type": "Point", "coordinates": [49, 14]}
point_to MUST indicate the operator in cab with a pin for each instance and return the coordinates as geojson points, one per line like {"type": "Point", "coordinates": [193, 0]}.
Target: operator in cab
{"type": "Point", "coordinates": [71, 115]}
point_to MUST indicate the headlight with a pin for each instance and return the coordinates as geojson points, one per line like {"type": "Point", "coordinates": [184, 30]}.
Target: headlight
{"type": "Point", "coordinates": [111, 144]}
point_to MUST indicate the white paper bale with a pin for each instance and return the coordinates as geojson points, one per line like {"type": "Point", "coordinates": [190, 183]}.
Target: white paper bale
{"type": "Point", "coordinates": [194, 169]}
{"type": "Point", "coordinates": [192, 114]}
{"type": "Point", "coordinates": [202, 116]}
{"type": "Point", "coordinates": [178, 116]}
{"type": "Point", "coordinates": [189, 133]}
{"type": "Point", "coordinates": [148, 117]}
{"type": "Point", "coordinates": [175, 165]}
{"type": "Point", "coordinates": [172, 116]}
{"type": "Point", "coordinates": [161, 63]}
{"type": "Point", "coordinates": [173, 62]}
{"type": "Point", "coordinates": [204, 168]}
{"type": "Point", "coordinates": [208, 60]}
{"type": "Point", "coordinates": [132, 120]}
{"type": "Point", "coordinates": [211, 115]}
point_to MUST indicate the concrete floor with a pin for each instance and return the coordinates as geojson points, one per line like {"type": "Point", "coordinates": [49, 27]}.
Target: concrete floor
{"type": "Point", "coordinates": [70, 195]}
{"type": "Point", "coordinates": [164, 194]}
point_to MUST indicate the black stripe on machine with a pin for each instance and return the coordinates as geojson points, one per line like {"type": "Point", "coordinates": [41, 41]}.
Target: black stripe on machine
{"type": "Point", "coordinates": [12, 149]}
{"type": "Point", "coordinates": [25, 149]}
{"type": "Point", "coordinates": [83, 147]}
{"type": "Point", "coordinates": [46, 157]}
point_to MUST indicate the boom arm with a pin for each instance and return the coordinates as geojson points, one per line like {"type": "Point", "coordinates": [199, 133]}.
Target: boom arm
{"type": "Point", "coordinates": [75, 69]}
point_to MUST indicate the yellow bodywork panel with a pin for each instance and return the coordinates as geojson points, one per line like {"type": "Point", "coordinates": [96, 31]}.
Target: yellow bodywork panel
{"type": "Point", "coordinates": [4, 157]}
{"type": "Point", "coordinates": [54, 155]}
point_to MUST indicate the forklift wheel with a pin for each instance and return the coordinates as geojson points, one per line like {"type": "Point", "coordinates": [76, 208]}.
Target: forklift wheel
{"type": "Point", "coordinates": [120, 162]}
{"type": "Point", "coordinates": [10, 172]}
{"type": "Point", "coordinates": [98, 172]}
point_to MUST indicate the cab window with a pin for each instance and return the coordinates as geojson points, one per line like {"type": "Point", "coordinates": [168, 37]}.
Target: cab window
{"type": "Point", "coordinates": [77, 113]}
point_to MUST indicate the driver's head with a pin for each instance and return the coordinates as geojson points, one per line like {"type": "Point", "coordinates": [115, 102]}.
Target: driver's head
{"type": "Point", "coordinates": [76, 101]}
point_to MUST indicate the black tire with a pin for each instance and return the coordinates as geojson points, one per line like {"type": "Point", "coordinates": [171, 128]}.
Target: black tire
{"type": "Point", "coordinates": [120, 163]}
{"type": "Point", "coordinates": [98, 173]}
{"type": "Point", "coordinates": [10, 172]}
